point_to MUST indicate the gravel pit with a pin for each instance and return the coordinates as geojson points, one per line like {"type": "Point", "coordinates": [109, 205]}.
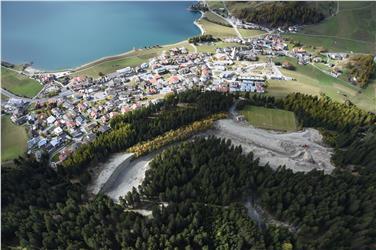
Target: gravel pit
{"type": "Point", "coordinates": [300, 151]}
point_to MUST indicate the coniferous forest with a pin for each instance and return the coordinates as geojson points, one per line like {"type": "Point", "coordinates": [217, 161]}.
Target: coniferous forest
{"type": "Point", "coordinates": [350, 130]}
{"type": "Point", "coordinates": [145, 124]}
{"type": "Point", "coordinates": [198, 188]}
{"type": "Point", "coordinates": [276, 13]}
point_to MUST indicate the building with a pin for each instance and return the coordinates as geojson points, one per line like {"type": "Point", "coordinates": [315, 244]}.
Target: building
{"type": "Point", "coordinates": [125, 71]}
{"type": "Point", "coordinates": [51, 119]}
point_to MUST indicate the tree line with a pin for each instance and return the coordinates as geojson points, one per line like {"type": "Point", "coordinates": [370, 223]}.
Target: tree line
{"type": "Point", "coordinates": [42, 210]}
{"type": "Point", "coordinates": [202, 39]}
{"type": "Point", "coordinates": [205, 183]}
{"type": "Point", "coordinates": [171, 136]}
{"type": "Point", "coordinates": [360, 69]}
{"type": "Point", "coordinates": [209, 179]}
{"type": "Point", "coordinates": [277, 14]}
{"type": "Point", "coordinates": [144, 124]}
{"type": "Point", "coordinates": [350, 130]}
{"type": "Point", "coordinates": [329, 212]}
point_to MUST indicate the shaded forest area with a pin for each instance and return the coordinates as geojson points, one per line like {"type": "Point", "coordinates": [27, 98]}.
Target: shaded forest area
{"type": "Point", "coordinates": [276, 14]}
{"type": "Point", "coordinates": [144, 124]}
{"type": "Point", "coordinates": [202, 39]}
{"type": "Point", "coordinates": [360, 68]}
{"type": "Point", "coordinates": [205, 183]}
{"type": "Point", "coordinates": [329, 212]}
{"type": "Point", "coordinates": [350, 130]}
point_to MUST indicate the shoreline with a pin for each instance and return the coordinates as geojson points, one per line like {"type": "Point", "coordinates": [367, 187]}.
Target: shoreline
{"type": "Point", "coordinates": [124, 54]}
{"type": "Point", "coordinates": [119, 56]}
{"type": "Point", "coordinates": [116, 56]}
{"type": "Point", "coordinates": [198, 25]}
{"type": "Point", "coordinates": [101, 60]}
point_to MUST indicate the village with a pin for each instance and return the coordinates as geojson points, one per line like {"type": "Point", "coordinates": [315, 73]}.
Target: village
{"type": "Point", "coordinates": [71, 111]}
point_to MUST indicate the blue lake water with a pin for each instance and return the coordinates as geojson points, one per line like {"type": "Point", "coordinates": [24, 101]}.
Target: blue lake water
{"type": "Point", "coordinates": [57, 35]}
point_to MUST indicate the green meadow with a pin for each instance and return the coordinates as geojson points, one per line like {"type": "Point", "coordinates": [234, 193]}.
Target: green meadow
{"type": "Point", "coordinates": [311, 80]}
{"type": "Point", "coordinates": [19, 84]}
{"type": "Point", "coordinates": [275, 119]}
{"type": "Point", "coordinates": [131, 59]}
{"type": "Point", "coordinates": [13, 139]}
{"type": "Point", "coordinates": [352, 29]}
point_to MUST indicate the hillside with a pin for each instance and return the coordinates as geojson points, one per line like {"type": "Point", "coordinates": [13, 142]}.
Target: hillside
{"type": "Point", "coordinates": [352, 28]}
{"type": "Point", "coordinates": [339, 26]}
{"type": "Point", "coordinates": [360, 69]}
{"type": "Point", "coordinates": [274, 14]}
{"type": "Point", "coordinates": [205, 193]}
{"type": "Point", "coordinates": [354, 20]}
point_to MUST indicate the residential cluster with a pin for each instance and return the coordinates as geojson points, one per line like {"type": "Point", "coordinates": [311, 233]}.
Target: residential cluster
{"type": "Point", "coordinates": [60, 124]}
{"type": "Point", "coordinates": [84, 106]}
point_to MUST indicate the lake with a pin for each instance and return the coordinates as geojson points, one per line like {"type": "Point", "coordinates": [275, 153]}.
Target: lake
{"type": "Point", "coordinates": [59, 35]}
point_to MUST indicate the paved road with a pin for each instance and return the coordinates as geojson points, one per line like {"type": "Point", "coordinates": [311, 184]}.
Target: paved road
{"type": "Point", "coordinates": [34, 100]}
{"type": "Point", "coordinates": [235, 28]}
{"type": "Point", "coordinates": [11, 95]}
{"type": "Point", "coordinates": [194, 47]}
{"type": "Point", "coordinates": [230, 22]}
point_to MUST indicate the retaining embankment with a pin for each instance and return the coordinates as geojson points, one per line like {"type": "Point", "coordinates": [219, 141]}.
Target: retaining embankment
{"type": "Point", "coordinates": [106, 173]}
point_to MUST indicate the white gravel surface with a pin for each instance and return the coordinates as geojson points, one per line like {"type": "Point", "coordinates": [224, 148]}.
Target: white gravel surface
{"type": "Point", "coordinates": [131, 176]}
{"type": "Point", "coordinates": [104, 172]}
{"type": "Point", "coordinates": [299, 151]}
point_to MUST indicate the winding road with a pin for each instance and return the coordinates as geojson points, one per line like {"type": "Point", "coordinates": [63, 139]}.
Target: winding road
{"type": "Point", "coordinates": [230, 22]}
{"type": "Point", "coordinates": [227, 20]}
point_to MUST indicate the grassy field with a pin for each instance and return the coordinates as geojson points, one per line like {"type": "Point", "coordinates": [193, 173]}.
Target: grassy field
{"type": "Point", "coordinates": [219, 27]}
{"type": "Point", "coordinates": [311, 80]}
{"type": "Point", "coordinates": [215, 4]}
{"type": "Point", "coordinates": [210, 16]}
{"type": "Point", "coordinates": [333, 44]}
{"type": "Point", "coordinates": [352, 29]}
{"type": "Point", "coordinates": [275, 119]}
{"type": "Point", "coordinates": [111, 66]}
{"type": "Point", "coordinates": [19, 84]}
{"type": "Point", "coordinates": [355, 20]}
{"type": "Point", "coordinates": [133, 58]}
{"type": "Point", "coordinates": [249, 33]}
{"type": "Point", "coordinates": [282, 88]}
{"type": "Point", "coordinates": [13, 139]}
{"type": "Point", "coordinates": [217, 30]}
{"type": "Point", "coordinates": [212, 47]}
